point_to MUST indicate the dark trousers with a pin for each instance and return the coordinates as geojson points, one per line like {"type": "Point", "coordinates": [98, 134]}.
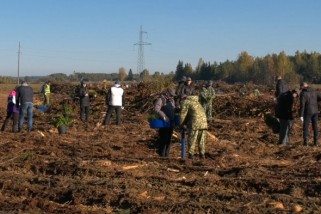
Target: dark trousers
{"type": "Point", "coordinates": [285, 131]}
{"type": "Point", "coordinates": [110, 110]}
{"type": "Point", "coordinates": [306, 122]}
{"type": "Point", "coordinates": [15, 117]}
{"type": "Point", "coordinates": [165, 137]}
{"type": "Point", "coordinates": [84, 111]}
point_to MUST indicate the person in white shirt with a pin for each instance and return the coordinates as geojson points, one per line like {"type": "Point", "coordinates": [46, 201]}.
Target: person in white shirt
{"type": "Point", "coordinates": [115, 100]}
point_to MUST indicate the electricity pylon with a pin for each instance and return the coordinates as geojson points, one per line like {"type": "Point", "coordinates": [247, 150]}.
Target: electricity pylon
{"type": "Point", "coordinates": [140, 58]}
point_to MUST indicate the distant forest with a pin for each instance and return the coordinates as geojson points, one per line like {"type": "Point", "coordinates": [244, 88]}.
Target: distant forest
{"type": "Point", "coordinates": [302, 66]}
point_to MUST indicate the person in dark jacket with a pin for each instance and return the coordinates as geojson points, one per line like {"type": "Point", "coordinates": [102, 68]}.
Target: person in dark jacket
{"type": "Point", "coordinates": [187, 90]}
{"type": "Point", "coordinates": [309, 112]}
{"type": "Point", "coordinates": [281, 86]}
{"type": "Point", "coordinates": [164, 106]}
{"type": "Point", "coordinates": [285, 114]}
{"type": "Point", "coordinates": [179, 89]}
{"type": "Point", "coordinates": [115, 100]}
{"type": "Point", "coordinates": [84, 101]}
{"type": "Point", "coordinates": [25, 102]}
{"type": "Point", "coordinates": [12, 111]}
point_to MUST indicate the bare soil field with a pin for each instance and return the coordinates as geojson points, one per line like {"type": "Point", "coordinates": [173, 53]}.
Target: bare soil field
{"type": "Point", "coordinates": [116, 169]}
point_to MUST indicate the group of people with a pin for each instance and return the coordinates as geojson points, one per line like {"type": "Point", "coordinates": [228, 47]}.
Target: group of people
{"type": "Point", "coordinates": [308, 111]}
{"type": "Point", "coordinates": [115, 101]}
{"type": "Point", "coordinates": [193, 107]}
{"type": "Point", "coordinates": [195, 111]}
{"type": "Point", "coordinates": [21, 102]}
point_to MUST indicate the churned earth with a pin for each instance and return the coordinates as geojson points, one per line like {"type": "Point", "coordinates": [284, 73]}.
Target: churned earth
{"type": "Point", "coordinates": [115, 169]}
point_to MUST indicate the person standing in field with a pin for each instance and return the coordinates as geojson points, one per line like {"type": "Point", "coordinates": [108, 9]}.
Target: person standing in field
{"type": "Point", "coordinates": [179, 89]}
{"type": "Point", "coordinates": [164, 106]}
{"type": "Point", "coordinates": [116, 101]}
{"type": "Point", "coordinates": [194, 117]}
{"type": "Point", "coordinates": [285, 114]}
{"type": "Point", "coordinates": [309, 99]}
{"type": "Point", "coordinates": [25, 102]}
{"type": "Point", "coordinates": [45, 90]}
{"type": "Point", "coordinates": [188, 89]}
{"type": "Point", "coordinates": [12, 111]}
{"type": "Point", "coordinates": [207, 95]}
{"type": "Point", "coordinates": [281, 86]}
{"type": "Point", "coordinates": [84, 101]}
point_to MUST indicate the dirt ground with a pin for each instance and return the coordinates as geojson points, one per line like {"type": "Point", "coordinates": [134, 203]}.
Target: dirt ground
{"type": "Point", "coordinates": [115, 169]}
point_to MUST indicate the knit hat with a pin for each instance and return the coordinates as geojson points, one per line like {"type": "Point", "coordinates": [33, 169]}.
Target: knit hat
{"type": "Point", "coordinates": [117, 82]}
{"type": "Point", "coordinates": [297, 91]}
{"type": "Point", "coordinates": [171, 92]}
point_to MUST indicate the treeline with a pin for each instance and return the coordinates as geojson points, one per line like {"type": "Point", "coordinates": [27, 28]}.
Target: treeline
{"type": "Point", "coordinates": [75, 77]}
{"type": "Point", "coordinates": [302, 66]}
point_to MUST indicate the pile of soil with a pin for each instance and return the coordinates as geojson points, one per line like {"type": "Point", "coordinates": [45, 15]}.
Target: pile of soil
{"type": "Point", "coordinates": [116, 169]}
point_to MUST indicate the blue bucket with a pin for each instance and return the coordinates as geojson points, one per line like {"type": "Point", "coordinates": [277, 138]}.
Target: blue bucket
{"type": "Point", "coordinates": [158, 123]}
{"type": "Point", "coordinates": [42, 108]}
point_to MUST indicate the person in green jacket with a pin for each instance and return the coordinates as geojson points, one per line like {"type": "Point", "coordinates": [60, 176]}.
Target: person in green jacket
{"type": "Point", "coordinates": [45, 90]}
{"type": "Point", "coordinates": [206, 99]}
{"type": "Point", "coordinates": [193, 116]}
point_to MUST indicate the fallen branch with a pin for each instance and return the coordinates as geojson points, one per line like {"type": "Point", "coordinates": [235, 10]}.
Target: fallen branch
{"type": "Point", "coordinates": [132, 167]}
{"type": "Point", "coordinates": [212, 136]}
{"type": "Point", "coordinates": [172, 170]}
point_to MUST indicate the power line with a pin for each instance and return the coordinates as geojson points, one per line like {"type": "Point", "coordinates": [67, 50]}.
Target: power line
{"type": "Point", "coordinates": [19, 52]}
{"type": "Point", "coordinates": [140, 58]}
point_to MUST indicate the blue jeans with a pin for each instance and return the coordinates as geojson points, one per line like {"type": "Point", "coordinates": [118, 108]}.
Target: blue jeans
{"type": "Point", "coordinates": [26, 107]}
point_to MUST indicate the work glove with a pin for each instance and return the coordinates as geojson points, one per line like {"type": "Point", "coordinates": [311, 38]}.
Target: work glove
{"type": "Point", "coordinates": [301, 118]}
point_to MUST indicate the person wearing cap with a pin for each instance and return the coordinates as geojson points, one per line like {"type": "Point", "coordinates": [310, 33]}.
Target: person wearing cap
{"type": "Point", "coordinates": [179, 89]}
{"type": "Point", "coordinates": [187, 90]}
{"type": "Point", "coordinates": [115, 100]}
{"type": "Point", "coordinates": [309, 112]}
{"type": "Point", "coordinates": [164, 106]}
{"type": "Point", "coordinates": [281, 86]}
{"type": "Point", "coordinates": [25, 102]}
{"type": "Point", "coordinates": [207, 95]}
{"type": "Point", "coordinates": [284, 111]}
{"type": "Point", "coordinates": [193, 116]}
{"type": "Point", "coordinates": [84, 101]}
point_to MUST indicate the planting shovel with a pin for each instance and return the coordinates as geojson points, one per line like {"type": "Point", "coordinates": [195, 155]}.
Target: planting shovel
{"type": "Point", "coordinates": [183, 144]}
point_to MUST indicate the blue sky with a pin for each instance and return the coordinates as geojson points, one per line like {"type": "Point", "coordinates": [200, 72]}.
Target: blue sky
{"type": "Point", "coordinates": [60, 36]}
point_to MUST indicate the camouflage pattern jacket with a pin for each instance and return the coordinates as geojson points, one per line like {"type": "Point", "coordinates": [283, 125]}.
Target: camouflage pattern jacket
{"type": "Point", "coordinates": [193, 113]}
{"type": "Point", "coordinates": [207, 95]}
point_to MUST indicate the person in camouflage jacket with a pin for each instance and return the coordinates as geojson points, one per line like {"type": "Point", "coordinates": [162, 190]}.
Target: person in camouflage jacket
{"type": "Point", "coordinates": [206, 98]}
{"type": "Point", "coordinates": [193, 115]}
